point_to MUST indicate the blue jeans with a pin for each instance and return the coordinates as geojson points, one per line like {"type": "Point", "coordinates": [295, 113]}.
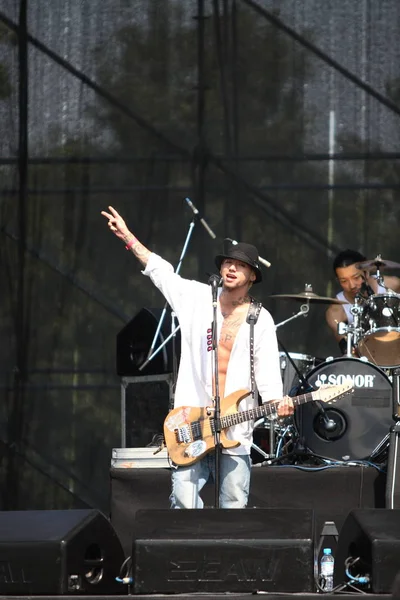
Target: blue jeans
{"type": "Point", "coordinates": [187, 482]}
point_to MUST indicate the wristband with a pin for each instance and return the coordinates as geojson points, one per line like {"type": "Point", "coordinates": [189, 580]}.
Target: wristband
{"type": "Point", "coordinates": [130, 243]}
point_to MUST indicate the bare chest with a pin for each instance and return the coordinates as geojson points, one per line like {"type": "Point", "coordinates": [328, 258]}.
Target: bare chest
{"type": "Point", "coordinates": [230, 328]}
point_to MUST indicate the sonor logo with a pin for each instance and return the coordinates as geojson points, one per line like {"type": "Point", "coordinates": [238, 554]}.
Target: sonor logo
{"type": "Point", "coordinates": [359, 381]}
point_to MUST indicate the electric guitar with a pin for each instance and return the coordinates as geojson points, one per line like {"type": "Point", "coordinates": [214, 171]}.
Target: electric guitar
{"type": "Point", "coordinates": [189, 430]}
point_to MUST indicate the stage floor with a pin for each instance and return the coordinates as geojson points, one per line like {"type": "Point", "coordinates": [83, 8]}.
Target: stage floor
{"type": "Point", "coordinates": [247, 596]}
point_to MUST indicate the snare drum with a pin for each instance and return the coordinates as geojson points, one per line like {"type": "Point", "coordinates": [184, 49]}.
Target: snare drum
{"type": "Point", "coordinates": [380, 324]}
{"type": "Point", "coordinates": [290, 378]}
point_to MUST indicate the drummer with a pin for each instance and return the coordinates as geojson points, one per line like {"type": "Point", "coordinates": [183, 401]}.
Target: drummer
{"type": "Point", "coordinates": [353, 281]}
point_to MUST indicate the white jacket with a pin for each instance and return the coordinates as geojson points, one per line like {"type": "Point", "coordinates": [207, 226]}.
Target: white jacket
{"type": "Point", "coordinates": [192, 303]}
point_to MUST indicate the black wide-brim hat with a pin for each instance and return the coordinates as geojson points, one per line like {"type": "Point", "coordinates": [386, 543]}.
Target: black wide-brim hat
{"type": "Point", "coordinates": [246, 253]}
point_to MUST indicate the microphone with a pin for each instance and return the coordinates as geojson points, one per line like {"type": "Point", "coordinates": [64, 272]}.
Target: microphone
{"type": "Point", "coordinates": [264, 261]}
{"type": "Point", "coordinates": [215, 282]}
{"type": "Point", "coordinates": [324, 422]}
{"type": "Point", "coordinates": [202, 221]}
{"type": "Point", "coordinates": [327, 423]}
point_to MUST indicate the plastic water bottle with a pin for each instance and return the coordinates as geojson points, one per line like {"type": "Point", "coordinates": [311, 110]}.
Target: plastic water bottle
{"type": "Point", "coordinates": [326, 571]}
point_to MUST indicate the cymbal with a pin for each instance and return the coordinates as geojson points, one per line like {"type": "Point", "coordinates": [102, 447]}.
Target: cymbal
{"type": "Point", "coordinates": [310, 297]}
{"type": "Point", "coordinates": [379, 263]}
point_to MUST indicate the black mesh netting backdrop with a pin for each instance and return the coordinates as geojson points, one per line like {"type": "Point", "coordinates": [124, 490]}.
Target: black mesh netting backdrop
{"type": "Point", "coordinates": [279, 119]}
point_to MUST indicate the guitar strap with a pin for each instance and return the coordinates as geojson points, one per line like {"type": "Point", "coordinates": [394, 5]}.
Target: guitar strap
{"type": "Point", "coordinates": [252, 318]}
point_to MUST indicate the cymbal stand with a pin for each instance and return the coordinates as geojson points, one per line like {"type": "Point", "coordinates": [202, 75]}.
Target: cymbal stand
{"type": "Point", "coordinates": [303, 312]}
{"type": "Point", "coordinates": [379, 277]}
{"type": "Point", "coordinates": [304, 385]}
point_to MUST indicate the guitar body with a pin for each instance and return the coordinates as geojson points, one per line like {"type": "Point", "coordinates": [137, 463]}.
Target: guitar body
{"type": "Point", "coordinates": [188, 430]}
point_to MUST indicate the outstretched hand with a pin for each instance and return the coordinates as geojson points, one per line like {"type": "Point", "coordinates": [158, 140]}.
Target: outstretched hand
{"type": "Point", "coordinates": [116, 223]}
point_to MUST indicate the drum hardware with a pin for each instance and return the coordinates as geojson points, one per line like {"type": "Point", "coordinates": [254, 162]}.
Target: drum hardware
{"type": "Point", "coordinates": [272, 424]}
{"type": "Point", "coordinates": [395, 376]}
{"type": "Point", "coordinates": [287, 438]}
{"type": "Point", "coordinates": [379, 322]}
{"type": "Point", "coordinates": [379, 453]}
{"type": "Point", "coordinates": [293, 365]}
{"type": "Point", "coordinates": [352, 332]}
{"type": "Point", "coordinates": [293, 451]}
{"type": "Point", "coordinates": [393, 463]}
{"type": "Point", "coordinates": [257, 448]}
{"type": "Point", "coordinates": [380, 319]}
{"type": "Point", "coordinates": [310, 296]}
{"type": "Point", "coordinates": [303, 387]}
{"type": "Point", "coordinates": [378, 263]}
{"type": "Point", "coordinates": [303, 312]}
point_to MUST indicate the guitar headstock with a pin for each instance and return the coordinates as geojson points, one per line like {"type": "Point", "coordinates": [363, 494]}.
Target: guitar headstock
{"type": "Point", "coordinates": [331, 393]}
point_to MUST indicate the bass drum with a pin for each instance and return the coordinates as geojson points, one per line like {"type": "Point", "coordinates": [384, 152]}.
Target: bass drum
{"type": "Point", "coordinates": [356, 426]}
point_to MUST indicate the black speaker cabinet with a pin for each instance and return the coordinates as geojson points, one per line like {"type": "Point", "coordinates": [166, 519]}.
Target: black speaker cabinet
{"type": "Point", "coordinates": [135, 340]}
{"type": "Point", "coordinates": [58, 552]}
{"type": "Point", "coordinates": [372, 536]}
{"type": "Point", "coordinates": [223, 550]}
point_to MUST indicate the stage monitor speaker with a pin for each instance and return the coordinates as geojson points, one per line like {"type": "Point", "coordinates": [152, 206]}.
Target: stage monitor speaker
{"type": "Point", "coordinates": [373, 537]}
{"type": "Point", "coordinates": [54, 552]}
{"type": "Point", "coordinates": [223, 550]}
{"type": "Point", "coordinates": [135, 339]}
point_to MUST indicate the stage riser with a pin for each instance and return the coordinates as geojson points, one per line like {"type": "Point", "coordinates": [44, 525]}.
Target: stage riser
{"type": "Point", "coordinates": [330, 493]}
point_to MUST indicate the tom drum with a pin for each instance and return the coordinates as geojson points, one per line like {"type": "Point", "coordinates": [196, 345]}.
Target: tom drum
{"type": "Point", "coordinates": [380, 323]}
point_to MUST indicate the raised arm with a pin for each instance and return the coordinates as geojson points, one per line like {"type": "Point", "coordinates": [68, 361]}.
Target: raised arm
{"type": "Point", "coordinates": [118, 226]}
{"type": "Point", "coordinates": [393, 283]}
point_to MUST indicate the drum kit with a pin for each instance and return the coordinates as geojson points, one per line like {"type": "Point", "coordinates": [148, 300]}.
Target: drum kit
{"type": "Point", "coordinates": [357, 427]}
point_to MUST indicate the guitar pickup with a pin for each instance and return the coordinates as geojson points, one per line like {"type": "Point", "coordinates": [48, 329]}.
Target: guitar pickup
{"type": "Point", "coordinates": [183, 434]}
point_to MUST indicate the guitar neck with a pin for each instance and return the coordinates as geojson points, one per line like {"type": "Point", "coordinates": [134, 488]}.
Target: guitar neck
{"type": "Point", "coordinates": [265, 410]}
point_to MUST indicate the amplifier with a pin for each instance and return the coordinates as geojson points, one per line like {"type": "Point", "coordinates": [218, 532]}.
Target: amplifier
{"type": "Point", "coordinates": [139, 458]}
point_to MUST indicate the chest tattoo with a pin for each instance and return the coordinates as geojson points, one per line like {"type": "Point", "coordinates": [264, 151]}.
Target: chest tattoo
{"type": "Point", "coordinates": [230, 327]}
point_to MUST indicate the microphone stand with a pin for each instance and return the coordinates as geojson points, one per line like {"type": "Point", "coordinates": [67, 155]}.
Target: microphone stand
{"type": "Point", "coordinates": [214, 280]}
